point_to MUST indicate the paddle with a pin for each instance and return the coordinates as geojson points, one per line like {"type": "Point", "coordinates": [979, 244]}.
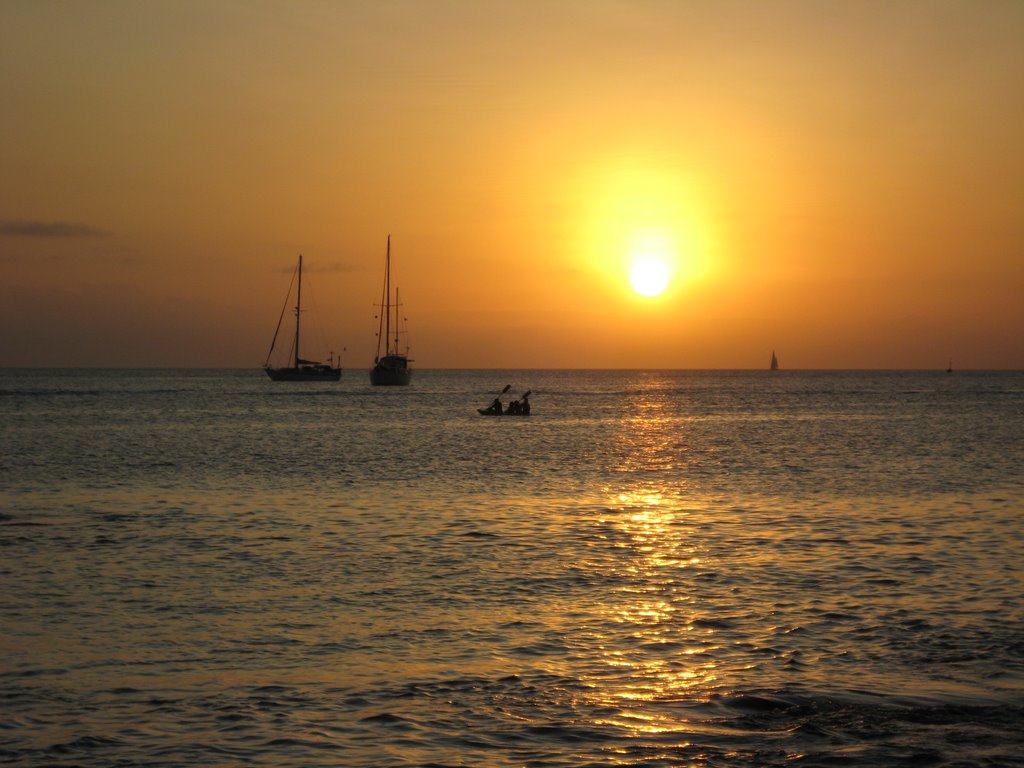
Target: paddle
{"type": "Point", "coordinates": [524, 403]}
{"type": "Point", "coordinates": [520, 407]}
{"type": "Point", "coordinates": [506, 389]}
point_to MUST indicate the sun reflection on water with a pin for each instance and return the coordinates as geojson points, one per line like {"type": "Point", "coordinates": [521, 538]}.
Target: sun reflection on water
{"type": "Point", "coordinates": [655, 657]}
{"type": "Point", "coordinates": [650, 650]}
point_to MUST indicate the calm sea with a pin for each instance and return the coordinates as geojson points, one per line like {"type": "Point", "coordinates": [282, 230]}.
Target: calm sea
{"type": "Point", "coordinates": [653, 569]}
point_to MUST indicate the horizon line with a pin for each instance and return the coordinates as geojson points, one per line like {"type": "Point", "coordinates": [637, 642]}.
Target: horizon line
{"type": "Point", "coordinates": [540, 368]}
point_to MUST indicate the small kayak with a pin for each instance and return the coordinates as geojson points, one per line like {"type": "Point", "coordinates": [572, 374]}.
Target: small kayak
{"type": "Point", "coordinates": [515, 408]}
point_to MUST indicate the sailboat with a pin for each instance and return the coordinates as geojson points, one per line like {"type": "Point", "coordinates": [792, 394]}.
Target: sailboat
{"type": "Point", "coordinates": [300, 370]}
{"type": "Point", "coordinates": [775, 362]}
{"type": "Point", "coordinates": [391, 369]}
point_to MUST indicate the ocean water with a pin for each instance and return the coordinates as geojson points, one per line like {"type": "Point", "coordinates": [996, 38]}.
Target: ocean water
{"type": "Point", "coordinates": [653, 569]}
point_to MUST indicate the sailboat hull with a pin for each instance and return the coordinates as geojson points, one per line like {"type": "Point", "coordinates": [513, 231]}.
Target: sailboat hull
{"type": "Point", "coordinates": [392, 370]}
{"type": "Point", "coordinates": [304, 374]}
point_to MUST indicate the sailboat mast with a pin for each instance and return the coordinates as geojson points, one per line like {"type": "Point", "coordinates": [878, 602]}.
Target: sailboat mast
{"type": "Point", "coordinates": [398, 304]}
{"type": "Point", "coordinates": [387, 300]}
{"type": "Point", "coordinates": [298, 311]}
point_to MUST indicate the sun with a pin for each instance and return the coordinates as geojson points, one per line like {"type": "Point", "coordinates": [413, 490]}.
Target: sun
{"type": "Point", "coordinates": [650, 259]}
{"type": "Point", "coordinates": [643, 229]}
{"type": "Point", "coordinates": [649, 276]}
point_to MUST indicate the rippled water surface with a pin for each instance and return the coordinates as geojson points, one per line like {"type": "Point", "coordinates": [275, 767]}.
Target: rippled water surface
{"type": "Point", "coordinates": [653, 569]}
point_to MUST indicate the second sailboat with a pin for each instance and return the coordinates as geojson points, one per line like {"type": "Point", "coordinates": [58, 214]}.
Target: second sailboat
{"type": "Point", "coordinates": [393, 367]}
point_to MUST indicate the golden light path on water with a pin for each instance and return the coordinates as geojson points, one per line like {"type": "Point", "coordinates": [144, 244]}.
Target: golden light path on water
{"type": "Point", "coordinates": [655, 649]}
{"type": "Point", "coordinates": [667, 657]}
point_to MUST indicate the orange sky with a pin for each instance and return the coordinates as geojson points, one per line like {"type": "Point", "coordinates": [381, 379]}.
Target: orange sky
{"type": "Point", "coordinates": [840, 181]}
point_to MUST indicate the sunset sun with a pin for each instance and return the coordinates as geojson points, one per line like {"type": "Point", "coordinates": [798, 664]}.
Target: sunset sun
{"type": "Point", "coordinates": [650, 258]}
{"type": "Point", "coordinates": [649, 276]}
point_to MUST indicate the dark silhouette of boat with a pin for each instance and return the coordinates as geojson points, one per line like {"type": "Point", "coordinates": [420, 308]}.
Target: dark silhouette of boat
{"type": "Point", "coordinates": [300, 370]}
{"type": "Point", "coordinates": [774, 366]}
{"type": "Point", "coordinates": [391, 369]}
{"type": "Point", "coordinates": [519, 407]}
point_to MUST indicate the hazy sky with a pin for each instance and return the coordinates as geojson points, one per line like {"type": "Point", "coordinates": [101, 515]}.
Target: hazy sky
{"type": "Point", "coordinates": [840, 181]}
